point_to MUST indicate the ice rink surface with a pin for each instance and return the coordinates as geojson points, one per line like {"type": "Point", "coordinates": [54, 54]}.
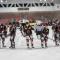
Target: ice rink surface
{"type": "Point", "coordinates": [23, 53]}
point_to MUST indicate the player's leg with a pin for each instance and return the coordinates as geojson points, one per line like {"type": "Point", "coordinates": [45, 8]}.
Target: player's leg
{"type": "Point", "coordinates": [3, 42]}
{"type": "Point", "coordinates": [31, 39]}
{"type": "Point", "coordinates": [56, 41]}
{"type": "Point", "coordinates": [42, 40]}
{"type": "Point", "coordinates": [27, 41]}
{"type": "Point", "coordinates": [13, 42]}
{"type": "Point", "coordinates": [46, 39]}
{"type": "Point", "coordinates": [11, 37]}
{"type": "Point", "coordinates": [42, 45]}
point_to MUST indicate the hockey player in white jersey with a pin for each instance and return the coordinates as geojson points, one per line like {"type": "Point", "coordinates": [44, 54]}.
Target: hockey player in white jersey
{"type": "Point", "coordinates": [39, 28]}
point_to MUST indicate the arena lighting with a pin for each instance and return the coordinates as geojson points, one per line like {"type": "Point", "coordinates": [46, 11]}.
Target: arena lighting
{"type": "Point", "coordinates": [45, 0]}
{"type": "Point", "coordinates": [3, 1]}
{"type": "Point", "coordinates": [40, 0]}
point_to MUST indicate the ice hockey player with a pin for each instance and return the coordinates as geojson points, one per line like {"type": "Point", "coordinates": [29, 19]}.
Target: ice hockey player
{"type": "Point", "coordinates": [45, 37]}
{"type": "Point", "coordinates": [56, 34]}
{"type": "Point", "coordinates": [0, 30]}
{"type": "Point", "coordinates": [12, 35]}
{"type": "Point", "coordinates": [59, 32]}
{"type": "Point", "coordinates": [23, 29]}
{"type": "Point", "coordinates": [4, 35]}
{"type": "Point", "coordinates": [38, 30]}
{"type": "Point", "coordinates": [28, 34]}
{"type": "Point", "coordinates": [5, 30]}
{"type": "Point", "coordinates": [0, 34]}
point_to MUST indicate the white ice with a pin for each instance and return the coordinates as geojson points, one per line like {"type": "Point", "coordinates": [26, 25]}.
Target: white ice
{"type": "Point", "coordinates": [22, 53]}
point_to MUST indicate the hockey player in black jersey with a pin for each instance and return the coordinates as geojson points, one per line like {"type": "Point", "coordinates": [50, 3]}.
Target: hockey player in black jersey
{"type": "Point", "coordinates": [45, 37]}
{"type": "Point", "coordinates": [56, 34]}
{"type": "Point", "coordinates": [0, 31]}
{"type": "Point", "coordinates": [4, 35]}
{"type": "Point", "coordinates": [5, 30]}
{"type": "Point", "coordinates": [0, 35]}
{"type": "Point", "coordinates": [12, 35]}
{"type": "Point", "coordinates": [59, 32]}
{"type": "Point", "coordinates": [28, 34]}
